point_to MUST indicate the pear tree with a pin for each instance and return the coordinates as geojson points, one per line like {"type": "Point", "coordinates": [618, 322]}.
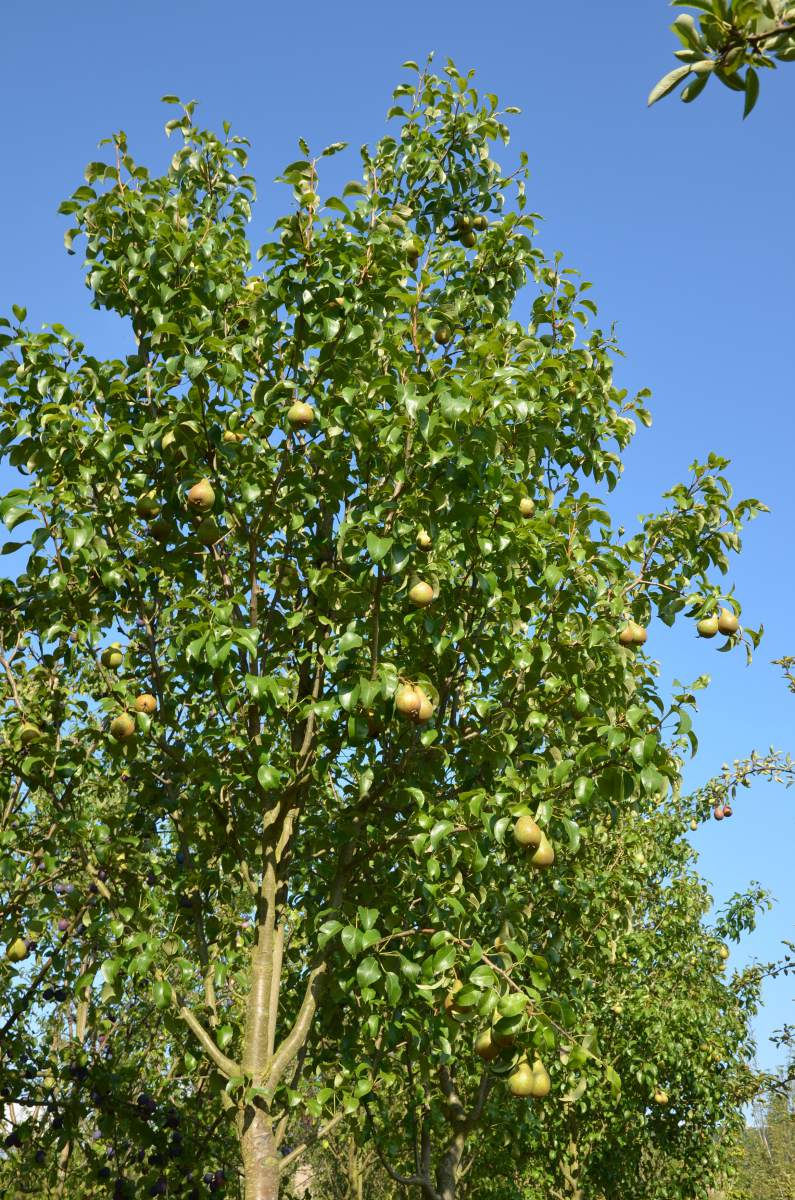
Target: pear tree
{"type": "Point", "coordinates": [286, 651]}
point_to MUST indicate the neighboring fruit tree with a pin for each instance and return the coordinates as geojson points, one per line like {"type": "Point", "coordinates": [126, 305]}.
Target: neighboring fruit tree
{"type": "Point", "coordinates": [318, 596]}
{"type": "Point", "coordinates": [731, 40]}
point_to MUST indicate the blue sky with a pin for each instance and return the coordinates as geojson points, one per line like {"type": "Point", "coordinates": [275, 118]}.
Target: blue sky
{"type": "Point", "coordinates": [681, 216]}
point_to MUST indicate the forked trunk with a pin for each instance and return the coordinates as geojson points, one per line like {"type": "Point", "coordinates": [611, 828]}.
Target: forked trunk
{"type": "Point", "coordinates": [259, 1154]}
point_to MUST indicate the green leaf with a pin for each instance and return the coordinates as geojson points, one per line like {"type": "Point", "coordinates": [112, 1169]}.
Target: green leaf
{"type": "Point", "coordinates": [751, 91]}
{"type": "Point", "coordinates": [378, 547]}
{"type": "Point", "coordinates": [667, 84]}
{"type": "Point", "coordinates": [583, 789]}
{"type": "Point", "coordinates": [367, 972]}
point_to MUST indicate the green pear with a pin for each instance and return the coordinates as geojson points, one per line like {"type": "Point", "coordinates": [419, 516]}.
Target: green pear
{"type": "Point", "coordinates": [201, 496]}
{"type": "Point", "coordinates": [527, 833]}
{"type": "Point", "coordinates": [17, 950]}
{"type": "Point", "coordinates": [122, 727]}
{"type": "Point", "coordinates": [728, 623]}
{"type": "Point", "coordinates": [421, 594]}
{"type": "Point", "coordinates": [708, 627]}
{"type": "Point", "coordinates": [300, 415]}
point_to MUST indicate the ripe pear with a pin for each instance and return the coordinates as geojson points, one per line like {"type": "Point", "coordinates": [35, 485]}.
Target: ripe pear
{"type": "Point", "coordinates": [708, 627]}
{"type": "Point", "coordinates": [408, 700]}
{"type": "Point", "coordinates": [145, 703]}
{"type": "Point", "coordinates": [300, 414]}
{"type": "Point", "coordinates": [727, 810]}
{"type": "Point", "coordinates": [480, 222]}
{"type": "Point", "coordinates": [728, 623]}
{"type": "Point", "coordinates": [632, 635]}
{"type": "Point", "coordinates": [485, 1046]}
{"type": "Point", "coordinates": [233, 435]}
{"type": "Point", "coordinates": [527, 506]}
{"type": "Point", "coordinates": [29, 733]}
{"type": "Point", "coordinates": [201, 496]}
{"type": "Point", "coordinates": [449, 1000]}
{"type": "Point", "coordinates": [717, 812]}
{"type": "Point", "coordinates": [426, 708]}
{"type": "Point", "coordinates": [527, 833]}
{"type": "Point", "coordinates": [421, 594]}
{"type": "Point", "coordinates": [122, 727]}
{"type": "Point", "coordinates": [207, 532]}
{"type": "Point", "coordinates": [17, 950]}
{"type": "Point", "coordinates": [521, 1081]}
{"type": "Point", "coordinates": [112, 656]}
{"type": "Point", "coordinates": [463, 223]}
{"type": "Point", "coordinates": [541, 1081]}
{"type": "Point", "coordinates": [424, 541]}
{"type": "Point", "coordinates": [443, 335]}
{"type": "Point", "coordinates": [723, 952]}
{"type": "Point", "coordinates": [660, 1097]}
{"type": "Point", "coordinates": [544, 855]}
{"type": "Point", "coordinates": [694, 825]}
{"type": "Point", "coordinates": [147, 507]}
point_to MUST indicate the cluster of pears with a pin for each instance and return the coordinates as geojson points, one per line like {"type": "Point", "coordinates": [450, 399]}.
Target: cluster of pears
{"type": "Point", "coordinates": [632, 635]}
{"type": "Point", "coordinates": [724, 622]}
{"type": "Point", "coordinates": [531, 837]}
{"type": "Point", "coordinates": [123, 726]}
{"type": "Point", "coordinates": [467, 227]}
{"type": "Point", "coordinates": [720, 811]}
{"type": "Point", "coordinates": [526, 1080]}
{"type": "Point", "coordinates": [413, 702]}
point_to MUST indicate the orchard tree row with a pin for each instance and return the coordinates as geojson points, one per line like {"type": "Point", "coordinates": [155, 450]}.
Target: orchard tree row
{"type": "Point", "coordinates": [341, 801]}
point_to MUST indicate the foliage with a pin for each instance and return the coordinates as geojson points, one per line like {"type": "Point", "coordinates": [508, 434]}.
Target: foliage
{"type": "Point", "coordinates": [731, 40]}
{"type": "Point", "coordinates": [275, 869]}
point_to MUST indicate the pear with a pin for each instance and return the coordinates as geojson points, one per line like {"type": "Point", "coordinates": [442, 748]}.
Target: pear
{"type": "Point", "coordinates": [527, 833]}
{"type": "Point", "coordinates": [526, 506]}
{"type": "Point", "coordinates": [727, 810]}
{"type": "Point", "coordinates": [145, 703]}
{"type": "Point", "coordinates": [469, 239]}
{"type": "Point", "coordinates": [207, 532]}
{"type": "Point", "coordinates": [300, 414]}
{"type": "Point", "coordinates": [480, 222]}
{"type": "Point", "coordinates": [147, 507]}
{"type": "Point", "coordinates": [426, 708]}
{"type": "Point", "coordinates": [161, 530]}
{"type": "Point", "coordinates": [541, 1081]}
{"type": "Point", "coordinates": [201, 496]}
{"type": "Point", "coordinates": [408, 700]}
{"type": "Point", "coordinates": [694, 825]}
{"type": "Point", "coordinates": [717, 812]}
{"type": "Point", "coordinates": [122, 727]}
{"type": "Point", "coordinates": [521, 1080]}
{"type": "Point", "coordinates": [28, 734]}
{"type": "Point", "coordinates": [463, 223]}
{"type": "Point", "coordinates": [421, 594]}
{"type": "Point", "coordinates": [632, 635]}
{"type": "Point", "coordinates": [728, 623]}
{"type": "Point", "coordinates": [443, 335]}
{"type": "Point", "coordinates": [486, 1047]}
{"type": "Point", "coordinates": [708, 627]}
{"type": "Point", "coordinates": [424, 541]}
{"type": "Point", "coordinates": [660, 1097]}
{"type": "Point", "coordinates": [544, 855]}
{"type": "Point", "coordinates": [723, 952]}
{"type": "Point", "coordinates": [233, 435]}
{"type": "Point", "coordinates": [449, 1000]}
{"type": "Point", "coordinates": [112, 656]}
{"type": "Point", "coordinates": [17, 950]}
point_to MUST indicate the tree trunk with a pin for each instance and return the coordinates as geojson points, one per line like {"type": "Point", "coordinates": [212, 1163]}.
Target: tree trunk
{"type": "Point", "coordinates": [447, 1171]}
{"type": "Point", "coordinates": [259, 1154]}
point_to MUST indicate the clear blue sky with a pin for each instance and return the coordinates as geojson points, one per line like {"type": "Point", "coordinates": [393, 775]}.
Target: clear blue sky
{"type": "Point", "coordinates": [681, 216]}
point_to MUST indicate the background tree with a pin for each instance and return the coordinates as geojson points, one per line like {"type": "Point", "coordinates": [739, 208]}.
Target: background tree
{"type": "Point", "coordinates": [335, 513]}
{"type": "Point", "coordinates": [731, 40]}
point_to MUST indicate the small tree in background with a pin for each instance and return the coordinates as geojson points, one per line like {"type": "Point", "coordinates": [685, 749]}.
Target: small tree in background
{"type": "Point", "coordinates": [731, 40]}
